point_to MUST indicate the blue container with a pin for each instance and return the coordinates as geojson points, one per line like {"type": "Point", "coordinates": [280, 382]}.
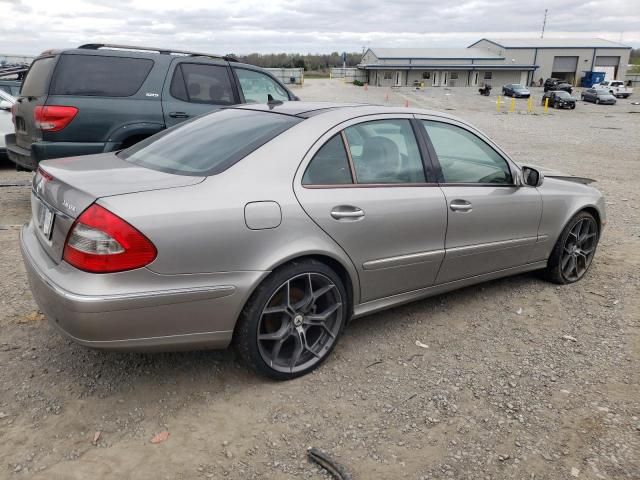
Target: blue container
{"type": "Point", "coordinates": [592, 78]}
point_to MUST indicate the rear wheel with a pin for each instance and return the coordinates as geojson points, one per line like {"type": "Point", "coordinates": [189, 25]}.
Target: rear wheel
{"type": "Point", "coordinates": [573, 253]}
{"type": "Point", "coordinates": [293, 320]}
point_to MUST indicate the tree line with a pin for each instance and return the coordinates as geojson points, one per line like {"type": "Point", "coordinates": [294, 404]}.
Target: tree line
{"type": "Point", "coordinates": [310, 62]}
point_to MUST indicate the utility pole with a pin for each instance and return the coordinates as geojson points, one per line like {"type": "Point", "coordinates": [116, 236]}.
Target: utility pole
{"type": "Point", "coordinates": [544, 22]}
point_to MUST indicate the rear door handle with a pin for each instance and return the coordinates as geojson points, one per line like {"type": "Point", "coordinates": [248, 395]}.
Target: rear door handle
{"type": "Point", "coordinates": [347, 212]}
{"type": "Point", "coordinates": [178, 115]}
{"type": "Point", "coordinates": [460, 206]}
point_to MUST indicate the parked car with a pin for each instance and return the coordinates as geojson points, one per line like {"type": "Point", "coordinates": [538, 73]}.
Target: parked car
{"type": "Point", "coordinates": [6, 122]}
{"type": "Point", "coordinates": [598, 95]}
{"type": "Point", "coordinates": [247, 226]}
{"type": "Point", "coordinates": [617, 88]}
{"type": "Point", "coordinates": [516, 90]}
{"type": "Point", "coordinates": [559, 99]}
{"type": "Point", "coordinates": [12, 87]}
{"type": "Point", "coordinates": [557, 84]}
{"type": "Point", "coordinates": [101, 98]}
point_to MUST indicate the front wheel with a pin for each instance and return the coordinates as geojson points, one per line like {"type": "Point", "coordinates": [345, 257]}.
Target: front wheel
{"type": "Point", "coordinates": [293, 320]}
{"type": "Point", "coordinates": [597, 100]}
{"type": "Point", "coordinates": [573, 252]}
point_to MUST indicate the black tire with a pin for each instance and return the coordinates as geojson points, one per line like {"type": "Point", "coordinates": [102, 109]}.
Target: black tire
{"type": "Point", "coordinates": [597, 101]}
{"type": "Point", "coordinates": [554, 271]}
{"type": "Point", "coordinates": [572, 107]}
{"type": "Point", "coordinates": [254, 317]}
{"type": "Point", "coordinates": [582, 97]}
{"type": "Point", "coordinates": [555, 105]}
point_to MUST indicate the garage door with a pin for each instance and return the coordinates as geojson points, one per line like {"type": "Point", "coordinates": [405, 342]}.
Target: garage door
{"type": "Point", "coordinates": [607, 61]}
{"type": "Point", "coordinates": [565, 64]}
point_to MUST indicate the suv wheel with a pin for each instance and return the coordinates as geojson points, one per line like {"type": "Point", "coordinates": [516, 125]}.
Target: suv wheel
{"type": "Point", "coordinates": [293, 320]}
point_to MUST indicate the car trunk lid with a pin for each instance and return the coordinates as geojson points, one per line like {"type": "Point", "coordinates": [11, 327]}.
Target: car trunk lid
{"type": "Point", "coordinates": [64, 188]}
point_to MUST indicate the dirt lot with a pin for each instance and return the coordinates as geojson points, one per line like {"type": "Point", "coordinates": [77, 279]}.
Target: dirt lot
{"type": "Point", "coordinates": [498, 393]}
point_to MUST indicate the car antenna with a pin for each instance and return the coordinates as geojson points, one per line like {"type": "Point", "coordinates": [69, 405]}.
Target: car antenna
{"type": "Point", "coordinates": [272, 102]}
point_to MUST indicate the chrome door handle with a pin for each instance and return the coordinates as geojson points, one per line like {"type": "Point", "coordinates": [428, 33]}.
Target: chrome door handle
{"type": "Point", "coordinates": [460, 206]}
{"type": "Point", "coordinates": [347, 212]}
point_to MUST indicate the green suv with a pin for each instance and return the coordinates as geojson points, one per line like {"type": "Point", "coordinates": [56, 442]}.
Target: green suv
{"type": "Point", "coordinates": [103, 97]}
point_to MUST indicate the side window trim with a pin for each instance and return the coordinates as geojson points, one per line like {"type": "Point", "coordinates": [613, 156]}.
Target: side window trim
{"type": "Point", "coordinates": [352, 168]}
{"type": "Point", "coordinates": [437, 165]}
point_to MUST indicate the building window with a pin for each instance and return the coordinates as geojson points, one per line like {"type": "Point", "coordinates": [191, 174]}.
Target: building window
{"type": "Point", "coordinates": [426, 75]}
{"type": "Point", "coordinates": [487, 75]}
{"type": "Point", "coordinates": [388, 76]}
{"type": "Point", "coordinates": [454, 75]}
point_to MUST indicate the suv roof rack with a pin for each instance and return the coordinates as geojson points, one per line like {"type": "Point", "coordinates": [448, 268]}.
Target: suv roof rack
{"type": "Point", "coordinates": [162, 51]}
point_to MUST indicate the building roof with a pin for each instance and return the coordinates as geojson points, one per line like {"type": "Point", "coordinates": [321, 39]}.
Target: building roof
{"type": "Point", "coordinates": [552, 43]}
{"type": "Point", "coordinates": [434, 54]}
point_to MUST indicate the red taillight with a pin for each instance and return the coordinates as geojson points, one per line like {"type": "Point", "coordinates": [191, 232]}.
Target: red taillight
{"type": "Point", "coordinates": [44, 174]}
{"type": "Point", "coordinates": [53, 118]}
{"type": "Point", "coordinates": [101, 242]}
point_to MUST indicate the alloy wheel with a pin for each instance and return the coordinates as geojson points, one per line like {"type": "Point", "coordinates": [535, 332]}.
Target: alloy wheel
{"type": "Point", "coordinates": [300, 323]}
{"type": "Point", "coordinates": [579, 248]}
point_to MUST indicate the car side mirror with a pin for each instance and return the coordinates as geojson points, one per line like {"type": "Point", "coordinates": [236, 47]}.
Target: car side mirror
{"type": "Point", "coordinates": [532, 177]}
{"type": "Point", "coordinates": [5, 105]}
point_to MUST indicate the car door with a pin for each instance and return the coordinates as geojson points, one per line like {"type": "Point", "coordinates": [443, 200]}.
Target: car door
{"type": "Point", "coordinates": [492, 220]}
{"type": "Point", "coordinates": [255, 86]}
{"type": "Point", "coordinates": [589, 94]}
{"type": "Point", "coordinates": [364, 184]}
{"type": "Point", "coordinates": [196, 87]}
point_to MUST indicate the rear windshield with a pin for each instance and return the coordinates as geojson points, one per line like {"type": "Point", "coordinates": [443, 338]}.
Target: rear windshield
{"type": "Point", "coordinates": [37, 79]}
{"type": "Point", "coordinates": [99, 75]}
{"type": "Point", "coordinates": [209, 144]}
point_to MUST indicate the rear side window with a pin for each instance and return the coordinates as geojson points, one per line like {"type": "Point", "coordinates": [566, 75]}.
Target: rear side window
{"type": "Point", "coordinates": [198, 83]}
{"type": "Point", "coordinates": [330, 165]}
{"type": "Point", "coordinates": [209, 144]}
{"type": "Point", "coordinates": [103, 76]}
{"type": "Point", "coordinates": [37, 79]}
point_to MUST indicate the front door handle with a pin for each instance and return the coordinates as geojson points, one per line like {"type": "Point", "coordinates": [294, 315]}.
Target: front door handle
{"type": "Point", "coordinates": [178, 115]}
{"type": "Point", "coordinates": [460, 206]}
{"type": "Point", "coordinates": [347, 212]}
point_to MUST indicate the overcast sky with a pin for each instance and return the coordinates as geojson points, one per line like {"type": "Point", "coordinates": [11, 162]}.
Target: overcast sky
{"type": "Point", "coordinates": [306, 26]}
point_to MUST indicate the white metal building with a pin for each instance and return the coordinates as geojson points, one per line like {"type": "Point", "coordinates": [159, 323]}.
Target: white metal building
{"type": "Point", "coordinates": [566, 58]}
{"type": "Point", "coordinates": [494, 62]}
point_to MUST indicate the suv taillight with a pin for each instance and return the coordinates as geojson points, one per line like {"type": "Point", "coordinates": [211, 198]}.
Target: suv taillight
{"type": "Point", "coordinates": [101, 242]}
{"type": "Point", "coordinates": [53, 118]}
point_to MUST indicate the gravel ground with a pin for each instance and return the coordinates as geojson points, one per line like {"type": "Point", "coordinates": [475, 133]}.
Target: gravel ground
{"type": "Point", "coordinates": [521, 379]}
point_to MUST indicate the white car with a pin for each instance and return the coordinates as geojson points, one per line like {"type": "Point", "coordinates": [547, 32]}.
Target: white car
{"type": "Point", "coordinates": [616, 88]}
{"type": "Point", "coordinates": [6, 122]}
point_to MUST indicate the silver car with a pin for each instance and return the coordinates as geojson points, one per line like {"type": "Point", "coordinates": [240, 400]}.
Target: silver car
{"type": "Point", "coordinates": [270, 226]}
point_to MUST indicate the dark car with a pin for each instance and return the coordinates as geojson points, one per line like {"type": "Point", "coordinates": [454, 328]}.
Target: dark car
{"type": "Point", "coordinates": [557, 84]}
{"type": "Point", "coordinates": [12, 87]}
{"type": "Point", "coordinates": [516, 90]}
{"type": "Point", "coordinates": [101, 98]}
{"type": "Point", "coordinates": [598, 95]}
{"type": "Point", "coordinates": [559, 99]}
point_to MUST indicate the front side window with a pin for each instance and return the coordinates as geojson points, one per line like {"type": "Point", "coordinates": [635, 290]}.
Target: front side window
{"type": "Point", "coordinates": [330, 165]}
{"type": "Point", "coordinates": [208, 144]}
{"type": "Point", "coordinates": [464, 157]}
{"type": "Point", "coordinates": [385, 151]}
{"type": "Point", "coordinates": [256, 87]}
{"type": "Point", "coordinates": [200, 83]}
{"type": "Point", "coordinates": [100, 75]}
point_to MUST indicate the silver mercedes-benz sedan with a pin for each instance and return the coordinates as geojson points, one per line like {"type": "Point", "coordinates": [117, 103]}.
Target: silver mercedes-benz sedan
{"type": "Point", "coordinates": [270, 226]}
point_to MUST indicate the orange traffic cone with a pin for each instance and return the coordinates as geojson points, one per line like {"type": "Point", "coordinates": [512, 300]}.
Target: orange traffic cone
{"type": "Point", "coordinates": [386, 97]}
{"type": "Point", "coordinates": [406, 103]}
{"type": "Point", "coordinates": [366, 86]}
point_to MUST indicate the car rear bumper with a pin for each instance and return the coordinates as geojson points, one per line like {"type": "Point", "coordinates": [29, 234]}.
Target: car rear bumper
{"type": "Point", "coordinates": [137, 310]}
{"type": "Point", "coordinates": [29, 158]}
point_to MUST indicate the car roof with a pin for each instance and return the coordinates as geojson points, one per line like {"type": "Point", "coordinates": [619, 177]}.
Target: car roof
{"type": "Point", "coordinates": [314, 109]}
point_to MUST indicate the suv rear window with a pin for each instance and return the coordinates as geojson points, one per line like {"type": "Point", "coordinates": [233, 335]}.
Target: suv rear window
{"type": "Point", "coordinates": [38, 77]}
{"type": "Point", "coordinates": [96, 75]}
{"type": "Point", "coordinates": [209, 144]}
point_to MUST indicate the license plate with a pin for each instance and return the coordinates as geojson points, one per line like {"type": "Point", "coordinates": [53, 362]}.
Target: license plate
{"type": "Point", "coordinates": [46, 220]}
